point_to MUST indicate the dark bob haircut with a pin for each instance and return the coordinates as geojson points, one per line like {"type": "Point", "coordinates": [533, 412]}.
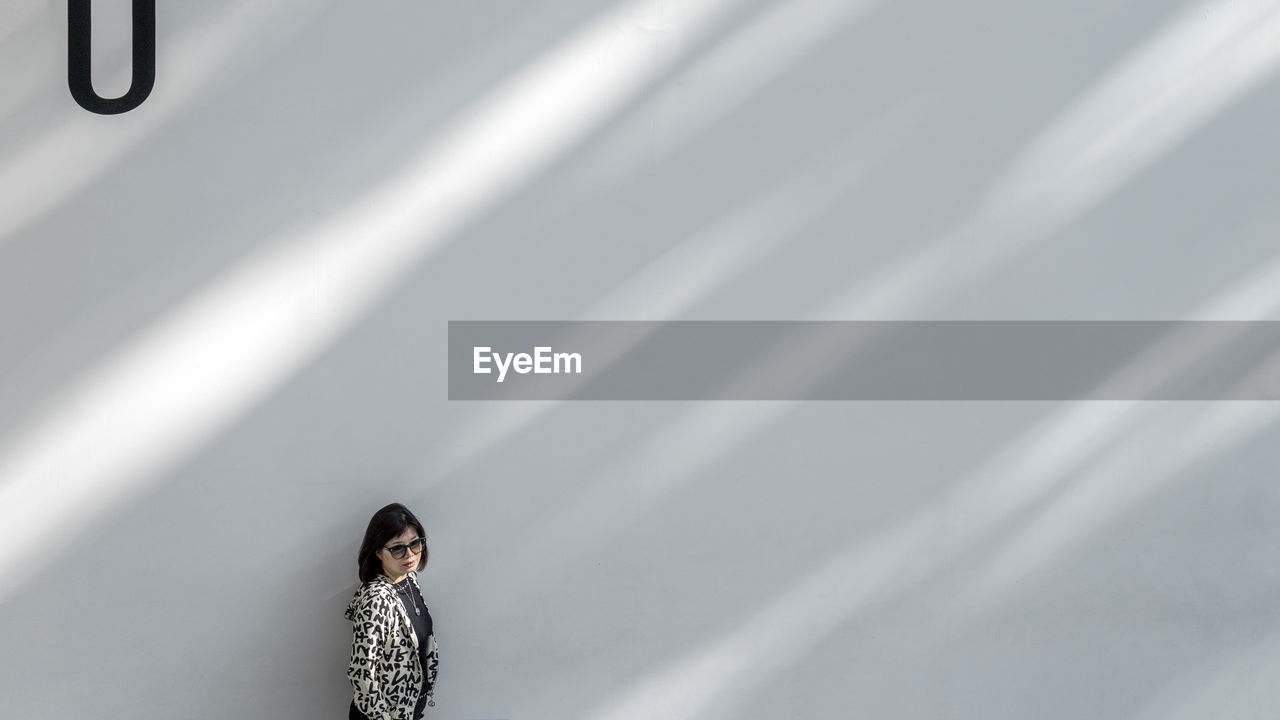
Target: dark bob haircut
{"type": "Point", "coordinates": [385, 525]}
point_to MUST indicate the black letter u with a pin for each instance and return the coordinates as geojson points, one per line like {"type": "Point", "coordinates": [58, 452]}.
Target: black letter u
{"type": "Point", "coordinates": [80, 63]}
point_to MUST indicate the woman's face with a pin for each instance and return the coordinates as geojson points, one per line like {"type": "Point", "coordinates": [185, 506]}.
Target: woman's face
{"type": "Point", "coordinates": [394, 568]}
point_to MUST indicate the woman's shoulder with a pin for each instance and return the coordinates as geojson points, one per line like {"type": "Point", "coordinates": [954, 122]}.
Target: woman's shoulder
{"type": "Point", "coordinates": [371, 595]}
{"type": "Point", "coordinates": [375, 588]}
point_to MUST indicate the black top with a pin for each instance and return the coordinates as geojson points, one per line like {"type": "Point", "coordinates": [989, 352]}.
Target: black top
{"type": "Point", "coordinates": [421, 619]}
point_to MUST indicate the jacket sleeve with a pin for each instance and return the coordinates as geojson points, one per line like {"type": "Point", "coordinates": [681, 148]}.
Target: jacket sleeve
{"type": "Point", "coordinates": [368, 636]}
{"type": "Point", "coordinates": [433, 664]}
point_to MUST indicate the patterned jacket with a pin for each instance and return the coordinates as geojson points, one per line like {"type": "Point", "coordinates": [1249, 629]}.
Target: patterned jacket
{"type": "Point", "coordinates": [386, 672]}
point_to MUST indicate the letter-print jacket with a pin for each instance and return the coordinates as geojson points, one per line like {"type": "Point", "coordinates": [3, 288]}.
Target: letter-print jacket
{"type": "Point", "coordinates": [386, 671]}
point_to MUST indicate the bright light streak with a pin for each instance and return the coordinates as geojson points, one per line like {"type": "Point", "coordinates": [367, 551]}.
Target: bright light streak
{"type": "Point", "coordinates": [1226, 56]}
{"type": "Point", "coordinates": [893, 561]}
{"type": "Point", "coordinates": [1194, 69]}
{"type": "Point", "coordinates": [870, 571]}
{"type": "Point", "coordinates": [717, 677]}
{"type": "Point", "coordinates": [1175, 84]}
{"type": "Point", "coordinates": [1253, 298]}
{"type": "Point", "coordinates": [1129, 473]}
{"type": "Point", "coordinates": [1237, 687]}
{"type": "Point", "coordinates": [74, 153]}
{"type": "Point", "coordinates": [689, 271]}
{"type": "Point", "coordinates": [217, 354]}
{"type": "Point", "coordinates": [723, 78]}
{"type": "Point", "coordinates": [936, 536]}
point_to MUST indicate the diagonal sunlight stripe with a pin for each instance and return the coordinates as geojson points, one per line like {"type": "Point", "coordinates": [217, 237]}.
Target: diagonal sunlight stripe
{"type": "Point", "coordinates": [76, 152]}
{"type": "Point", "coordinates": [730, 73]}
{"type": "Point", "coordinates": [1128, 473]}
{"type": "Point", "coordinates": [935, 537]}
{"type": "Point", "coordinates": [710, 680]}
{"type": "Point", "coordinates": [725, 77]}
{"type": "Point", "coordinates": [217, 354]}
{"type": "Point", "coordinates": [868, 572]}
{"type": "Point", "coordinates": [688, 271]}
{"type": "Point", "coordinates": [660, 463]}
{"type": "Point", "coordinates": [657, 466]}
{"type": "Point", "coordinates": [891, 562]}
{"type": "Point", "coordinates": [883, 566]}
{"type": "Point", "coordinates": [1045, 460]}
{"type": "Point", "coordinates": [1199, 64]}
{"type": "Point", "coordinates": [1116, 483]}
{"type": "Point", "coordinates": [888, 564]}
{"type": "Point", "coordinates": [1236, 686]}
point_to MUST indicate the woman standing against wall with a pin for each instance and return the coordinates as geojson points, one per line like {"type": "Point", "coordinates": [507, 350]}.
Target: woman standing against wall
{"type": "Point", "coordinates": [393, 646]}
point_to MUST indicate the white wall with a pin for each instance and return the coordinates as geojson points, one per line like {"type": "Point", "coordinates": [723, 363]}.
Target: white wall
{"type": "Point", "coordinates": [222, 342]}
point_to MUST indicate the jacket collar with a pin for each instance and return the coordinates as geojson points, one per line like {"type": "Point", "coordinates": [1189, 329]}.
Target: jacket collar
{"type": "Point", "coordinates": [413, 577]}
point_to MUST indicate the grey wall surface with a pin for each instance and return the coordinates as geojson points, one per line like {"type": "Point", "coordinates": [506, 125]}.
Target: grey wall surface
{"type": "Point", "coordinates": [223, 346]}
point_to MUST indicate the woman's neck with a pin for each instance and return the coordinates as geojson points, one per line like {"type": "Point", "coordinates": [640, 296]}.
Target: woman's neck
{"type": "Point", "coordinates": [395, 580]}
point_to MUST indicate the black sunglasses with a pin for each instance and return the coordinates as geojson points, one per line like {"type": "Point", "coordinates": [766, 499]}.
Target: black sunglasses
{"type": "Point", "coordinates": [398, 551]}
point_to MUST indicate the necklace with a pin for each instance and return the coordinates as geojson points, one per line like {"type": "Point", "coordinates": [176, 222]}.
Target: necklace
{"type": "Point", "coordinates": [407, 591]}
